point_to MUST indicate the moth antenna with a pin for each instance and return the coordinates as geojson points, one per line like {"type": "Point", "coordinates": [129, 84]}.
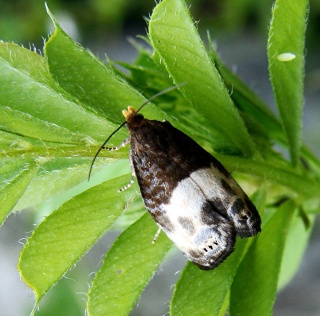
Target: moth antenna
{"type": "Point", "coordinates": [122, 124]}
{"type": "Point", "coordinates": [102, 146]}
{"type": "Point", "coordinates": [160, 93]}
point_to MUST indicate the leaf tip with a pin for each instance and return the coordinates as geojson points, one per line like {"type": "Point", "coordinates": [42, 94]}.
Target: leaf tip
{"type": "Point", "coordinates": [48, 11]}
{"type": "Point", "coordinates": [51, 15]}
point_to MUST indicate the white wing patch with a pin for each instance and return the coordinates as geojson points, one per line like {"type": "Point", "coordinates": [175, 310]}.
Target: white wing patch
{"type": "Point", "coordinates": [203, 234]}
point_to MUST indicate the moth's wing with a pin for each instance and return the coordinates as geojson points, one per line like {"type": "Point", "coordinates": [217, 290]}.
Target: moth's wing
{"type": "Point", "coordinates": [193, 223]}
{"type": "Point", "coordinates": [215, 181]}
{"type": "Point", "coordinates": [177, 203]}
{"type": "Point", "coordinates": [243, 213]}
{"type": "Point", "coordinates": [228, 197]}
{"type": "Point", "coordinates": [167, 142]}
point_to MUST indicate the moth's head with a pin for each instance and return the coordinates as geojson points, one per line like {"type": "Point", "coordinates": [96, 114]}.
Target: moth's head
{"type": "Point", "coordinates": [134, 120]}
{"type": "Point", "coordinates": [132, 117]}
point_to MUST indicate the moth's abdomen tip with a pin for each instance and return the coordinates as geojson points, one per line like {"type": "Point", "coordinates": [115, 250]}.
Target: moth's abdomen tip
{"type": "Point", "coordinates": [213, 262]}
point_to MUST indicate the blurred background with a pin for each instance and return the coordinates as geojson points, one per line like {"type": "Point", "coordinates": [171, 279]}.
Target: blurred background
{"type": "Point", "coordinates": [239, 28]}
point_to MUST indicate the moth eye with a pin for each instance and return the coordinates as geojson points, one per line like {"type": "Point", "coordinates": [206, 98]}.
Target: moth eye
{"type": "Point", "coordinates": [244, 216]}
{"type": "Point", "coordinates": [138, 117]}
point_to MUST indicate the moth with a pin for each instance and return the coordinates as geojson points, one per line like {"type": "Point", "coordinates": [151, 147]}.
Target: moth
{"type": "Point", "coordinates": [188, 192]}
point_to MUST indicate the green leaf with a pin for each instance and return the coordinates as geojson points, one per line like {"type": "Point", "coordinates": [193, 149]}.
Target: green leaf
{"type": "Point", "coordinates": [40, 122]}
{"type": "Point", "coordinates": [92, 83]}
{"type": "Point", "coordinates": [58, 175]}
{"type": "Point", "coordinates": [200, 292]}
{"type": "Point", "coordinates": [14, 179]}
{"type": "Point", "coordinates": [31, 105]}
{"type": "Point", "coordinates": [26, 61]}
{"type": "Point", "coordinates": [62, 300]}
{"type": "Point", "coordinates": [68, 233]}
{"type": "Point", "coordinates": [254, 287]}
{"type": "Point", "coordinates": [127, 268]}
{"type": "Point", "coordinates": [178, 44]}
{"type": "Point", "coordinates": [286, 36]}
{"type": "Point", "coordinates": [246, 100]}
{"type": "Point", "coordinates": [43, 125]}
{"type": "Point", "coordinates": [279, 174]}
{"type": "Point", "coordinates": [147, 72]}
{"type": "Point", "coordinates": [296, 242]}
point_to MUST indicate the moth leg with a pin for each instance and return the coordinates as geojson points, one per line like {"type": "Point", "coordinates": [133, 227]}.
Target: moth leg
{"type": "Point", "coordinates": [127, 186]}
{"type": "Point", "coordinates": [123, 144]}
{"type": "Point", "coordinates": [156, 235]}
